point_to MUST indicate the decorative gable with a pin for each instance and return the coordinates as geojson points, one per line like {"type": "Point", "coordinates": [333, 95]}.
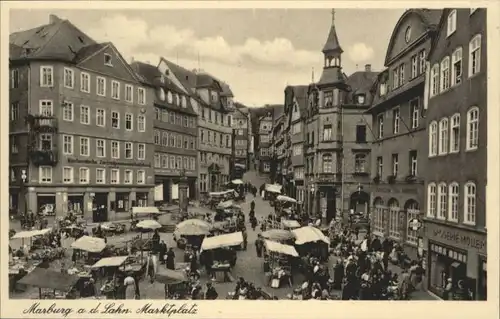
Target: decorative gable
{"type": "Point", "coordinates": [169, 74]}
{"type": "Point", "coordinates": [295, 110]}
{"type": "Point", "coordinates": [107, 60]}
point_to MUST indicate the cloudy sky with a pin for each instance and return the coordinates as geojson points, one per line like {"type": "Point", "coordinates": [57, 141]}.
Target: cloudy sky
{"type": "Point", "coordinates": [256, 51]}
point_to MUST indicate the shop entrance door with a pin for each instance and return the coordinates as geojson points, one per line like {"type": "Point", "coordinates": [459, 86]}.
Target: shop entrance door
{"type": "Point", "coordinates": [100, 208]}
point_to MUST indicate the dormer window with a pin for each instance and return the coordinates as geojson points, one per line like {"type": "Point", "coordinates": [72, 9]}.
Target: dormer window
{"type": "Point", "coordinates": [169, 97]}
{"type": "Point", "coordinates": [108, 60]}
{"type": "Point", "coordinates": [360, 99]}
{"type": "Point", "coordinates": [162, 79]}
{"type": "Point", "coordinates": [184, 102]}
{"type": "Point", "coordinates": [161, 94]}
{"type": "Point", "coordinates": [383, 89]}
{"type": "Point", "coordinates": [214, 96]}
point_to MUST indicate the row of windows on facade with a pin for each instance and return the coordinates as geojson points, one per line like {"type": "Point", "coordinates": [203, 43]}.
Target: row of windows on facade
{"type": "Point", "coordinates": [207, 157]}
{"type": "Point", "coordinates": [215, 138]}
{"type": "Point", "coordinates": [204, 181]}
{"type": "Point", "coordinates": [216, 117]}
{"type": "Point", "coordinates": [47, 80]}
{"type": "Point", "coordinates": [69, 115]}
{"type": "Point", "coordinates": [174, 118]}
{"type": "Point", "coordinates": [100, 147]}
{"type": "Point", "coordinates": [240, 152]}
{"type": "Point", "coordinates": [393, 216]}
{"type": "Point", "coordinates": [68, 175]}
{"type": "Point", "coordinates": [398, 121]}
{"type": "Point", "coordinates": [442, 79]}
{"type": "Point", "coordinates": [443, 202]}
{"type": "Point", "coordinates": [412, 165]}
{"type": "Point", "coordinates": [172, 139]}
{"type": "Point", "coordinates": [175, 162]}
{"type": "Point", "coordinates": [417, 63]}
{"type": "Point", "coordinates": [444, 137]}
{"type": "Point", "coordinates": [327, 164]}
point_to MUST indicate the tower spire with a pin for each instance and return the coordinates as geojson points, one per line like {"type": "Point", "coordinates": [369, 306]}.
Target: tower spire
{"type": "Point", "coordinates": [332, 42]}
{"type": "Point", "coordinates": [312, 75]}
{"type": "Point", "coordinates": [333, 16]}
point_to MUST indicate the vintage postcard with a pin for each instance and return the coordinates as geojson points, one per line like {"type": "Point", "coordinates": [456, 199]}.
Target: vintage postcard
{"type": "Point", "coordinates": [168, 159]}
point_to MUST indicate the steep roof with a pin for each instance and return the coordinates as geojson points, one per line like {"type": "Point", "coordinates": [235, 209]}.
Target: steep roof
{"type": "Point", "coordinates": [332, 42]}
{"type": "Point", "coordinates": [300, 94]}
{"type": "Point", "coordinates": [331, 75]}
{"type": "Point", "coordinates": [59, 40]}
{"type": "Point", "coordinates": [430, 17]}
{"type": "Point", "coordinates": [361, 82]}
{"type": "Point", "coordinates": [185, 76]}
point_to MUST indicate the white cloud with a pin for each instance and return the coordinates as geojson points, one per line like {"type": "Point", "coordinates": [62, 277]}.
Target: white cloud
{"type": "Point", "coordinates": [131, 36]}
{"type": "Point", "coordinates": [360, 52]}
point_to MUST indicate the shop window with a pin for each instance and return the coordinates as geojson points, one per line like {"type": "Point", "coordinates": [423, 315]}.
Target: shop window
{"type": "Point", "coordinates": [394, 219]}
{"type": "Point", "coordinates": [378, 220]}
{"type": "Point", "coordinates": [122, 202]}
{"type": "Point", "coordinates": [413, 212]}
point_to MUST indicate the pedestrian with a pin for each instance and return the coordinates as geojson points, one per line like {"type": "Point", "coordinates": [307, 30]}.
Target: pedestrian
{"type": "Point", "coordinates": [448, 289]}
{"type": "Point", "coordinates": [171, 259]}
{"type": "Point", "coordinates": [252, 205]}
{"type": "Point", "coordinates": [162, 251]}
{"type": "Point", "coordinates": [259, 245]}
{"type": "Point", "coordinates": [211, 293]}
{"type": "Point", "coordinates": [245, 238]}
{"type": "Point", "coordinates": [253, 222]}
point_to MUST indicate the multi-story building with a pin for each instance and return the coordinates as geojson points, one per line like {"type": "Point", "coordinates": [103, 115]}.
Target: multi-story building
{"type": "Point", "coordinates": [455, 168]}
{"type": "Point", "coordinates": [241, 134]}
{"type": "Point", "coordinates": [175, 135]}
{"type": "Point", "coordinates": [296, 111]}
{"type": "Point", "coordinates": [212, 100]}
{"type": "Point", "coordinates": [336, 145]}
{"type": "Point", "coordinates": [85, 146]}
{"type": "Point", "coordinates": [264, 135]}
{"type": "Point", "coordinates": [279, 167]}
{"type": "Point", "coordinates": [399, 130]}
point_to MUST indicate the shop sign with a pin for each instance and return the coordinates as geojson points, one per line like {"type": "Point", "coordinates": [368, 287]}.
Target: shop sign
{"type": "Point", "coordinates": [105, 162]}
{"type": "Point", "coordinates": [456, 237]}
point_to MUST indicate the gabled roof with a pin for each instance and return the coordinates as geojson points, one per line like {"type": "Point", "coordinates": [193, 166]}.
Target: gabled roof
{"type": "Point", "coordinates": [185, 76]}
{"type": "Point", "coordinates": [152, 76]}
{"type": "Point", "coordinates": [59, 40]}
{"type": "Point", "coordinates": [430, 17]}
{"type": "Point", "coordinates": [442, 20]}
{"type": "Point", "coordinates": [88, 51]}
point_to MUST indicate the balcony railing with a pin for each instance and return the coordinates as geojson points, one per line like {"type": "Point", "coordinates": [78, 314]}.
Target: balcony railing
{"type": "Point", "coordinates": [42, 124]}
{"type": "Point", "coordinates": [44, 157]}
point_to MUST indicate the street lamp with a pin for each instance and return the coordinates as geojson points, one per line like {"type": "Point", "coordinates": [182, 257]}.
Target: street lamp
{"type": "Point", "coordinates": [24, 178]}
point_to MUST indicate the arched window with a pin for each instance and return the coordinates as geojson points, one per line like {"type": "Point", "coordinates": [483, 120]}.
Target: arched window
{"type": "Point", "coordinates": [360, 163]}
{"type": "Point", "coordinates": [456, 66]}
{"type": "Point", "coordinates": [475, 55]}
{"type": "Point", "coordinates": [455, 133]}
{"type": "Point", "coordinates": [394, 218]}
{"type": "Point", "coordinates": [184, 101]}
{"type": "Point", "coordinates": [327, 163]}
{"type": "Point", "coordinates": [451, 25]}
{"type": "Point", "coordinates": [169, 97]}
{"type": "Point", "coordinates": [412, 212]}
{"type": "Point", "coordinates": [177, 100]}
{"type": "Point", "coordinates": [472, 128]}
{"type": "Point", "coordinates": [443, 136]}
{"type": "Point", "coordinates": [378, 216]}
{"type": "Point", "coordinates": [161, 94]}
{"type": "Point", "coordinates": [433, 139]}
{"type": "Point", "coordinates": [434, 80]}
{"type": "Point", "coordinates": [431, 200]}
{"type": "Point", "coordinates": [470, 203]}
{"type": "Point", "coordinates": [445, 74]}
{"type": "Point", "coordinates": [442, 201]}
{"type": "Point", "coordinates": [453, 197]}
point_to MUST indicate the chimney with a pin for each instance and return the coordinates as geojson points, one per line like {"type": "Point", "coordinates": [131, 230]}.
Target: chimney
{"type": "Point", "coordinates": [368, 67]}
{"type": "Point", "coordinates": [53, 19]}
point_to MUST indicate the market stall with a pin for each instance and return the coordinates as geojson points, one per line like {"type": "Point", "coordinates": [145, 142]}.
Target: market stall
{"type": "Point", "coordinates": [222, 250]}
{"type": "Point", "coordinates": [278, 262]}
{"type": "Point", "coordinates": [140, 213]}
{"type": "Point", "coordinates": [51, 284]}
{"type": "Point", "coordinates": [176, 283]}
{"type": "Point", "coordinates": [92, 246]}
{"type": "Point", "coordinates": [311, 240]}
{"type": "Point", "coordinates": [109, 267]}
{"type": "Point", "coordinates": [145, 244]}
{"type": "Point", "coordinates": [290, 224]}
{"type": "Point", "coordinates": [279, 235]}
{"type": "Point", "coordinates": [191, 232]}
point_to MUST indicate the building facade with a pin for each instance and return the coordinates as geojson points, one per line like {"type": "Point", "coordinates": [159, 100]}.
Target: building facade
{"type": "Point", "coordinates": [212, 100]}
{"type": "Point", "coordinates": [295, 112]}
{"type": "Point", "coordinates": [175, 135]}
{"type": "Point", "coordinates": [264, 152]}
{"type": "Point", "coordinates": [336, 151]}
{"type": "Point", "coordinates": [84, 146]}
{"type": "Point", "coordinates": [279, 167]}
{"type": "Point", "coordinates": [398, 125]}
{"type": "Point", "coordinates": [455, 166]}
{"type": "Point", "coordinates": [241, 135]}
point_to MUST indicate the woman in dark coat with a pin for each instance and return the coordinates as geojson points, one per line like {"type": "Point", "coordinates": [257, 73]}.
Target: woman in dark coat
{"type": "Point", "coordinates": [171, 259]}
{"type": "Point", "coordinates": [338, 275]}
